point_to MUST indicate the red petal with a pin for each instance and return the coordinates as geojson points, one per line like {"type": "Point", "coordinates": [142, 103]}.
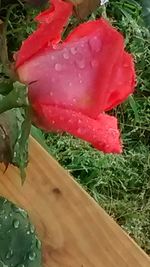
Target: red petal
{"type": "Point", "coordinates": [88, 73]}
{"type": "Point", "coordinates": [116, 71]}
{"type": "Point", "coordinates": [102, 133]}
{"type": "Point", "coordinates": [122, 84]}
{"type": "Point", "coordinates": [49, 31]}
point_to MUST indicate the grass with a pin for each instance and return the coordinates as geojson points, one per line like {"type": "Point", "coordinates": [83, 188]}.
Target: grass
{"type": "Point", "coordinates": [119, 183]}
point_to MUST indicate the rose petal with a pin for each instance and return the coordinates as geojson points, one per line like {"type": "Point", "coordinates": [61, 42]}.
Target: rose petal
{"type": "Point", "coordinates": [122, 84]}
{"type": "Point", "coordinates": [102, 133]}
{"type": "Point", "coordinates": [51, 23]}
{"type": "Point", "coordinates": [89, 73]}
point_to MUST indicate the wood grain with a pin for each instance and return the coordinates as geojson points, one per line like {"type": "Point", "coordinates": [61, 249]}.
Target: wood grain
{"type": "Point", "coordinates": [75, 231]}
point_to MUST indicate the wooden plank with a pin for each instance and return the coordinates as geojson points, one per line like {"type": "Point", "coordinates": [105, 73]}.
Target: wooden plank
{"type": "Point", "coordinates": [75, 231]}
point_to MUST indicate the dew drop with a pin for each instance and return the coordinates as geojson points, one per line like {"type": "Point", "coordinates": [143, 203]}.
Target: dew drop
{"type": "Point", "coordinates": [6, 217]}
{"type": "Point", "coordinates": [32, 256]}
{"type": "Point", "coordinates": [81, 64]}
{"type": "Point", "coordinates": [73, 50]}
{"type": "Point", "coordinates": [61, 118]}
{"type": "Point", "coordinates": [16, 224]}
{"type": "Point", "coordinates": [66, 55]}
{"type": "Point", "coordinates": [32, 229]}
{"type": "Point", "coordinates": [28, 232]}
{"type": "Point", "coordinates": [9, 254]}
{"type": "Point", "coordinates": [58, 67]}
{"type": "Point", "coordinates": [125, 65]}
{"type": "Point", "coordinates": [79, 131]}
{"type": "Point", "coordinates": [94, 63]}
{"type": "Point", "coordinates": [38, 244]}
{"type": "Point", "coordinates": [95, 44]}
{"type": "Point", "coordinates": [52, 57]}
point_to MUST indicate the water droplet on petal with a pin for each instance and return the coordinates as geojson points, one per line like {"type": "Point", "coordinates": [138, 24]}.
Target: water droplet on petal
{"type": "Point", "coordinates": [51, 93]}
{"type": "Point", "coordinates": [81, 64]}
{"type": "Point", "coordinates": [74, 100]}
{"type": "Point", "coordinates": [70, 83]}
{"type": "Point", "coordinates": [58, 67]}
{"type": "Point", "coordinates": [95, 44]}
{"type": "Point", "coordinates": [73, 50]}
{"type": "Point", "coordinates": [16, 224]}
{"type": "Point", "coordinates": [55, 46]}
{"type": "Point", "coordinates": [82, 45]}
{"type": "Point", "coordinates": [66, 55]}
{"type": "Point", "coordinates": [52, 57]}
{"type": "Point", "coordinates": [94, 63]}
{"type": "Point", "coordinates": [126, 65]}
{"type": "Point", "coordinates": [79, 131]}
{"type": "Point", "coordinates": [32, 256]}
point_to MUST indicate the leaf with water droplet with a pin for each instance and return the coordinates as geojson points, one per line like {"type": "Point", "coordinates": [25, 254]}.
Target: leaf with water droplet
{"type": "Point", "coordinates": [19, 245]}
{"type": "Point", "coordinates": [16, 224]}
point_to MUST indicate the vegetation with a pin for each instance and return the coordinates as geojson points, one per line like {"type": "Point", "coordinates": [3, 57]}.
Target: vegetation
{"type": "Point", "coordinates": [119, 183]}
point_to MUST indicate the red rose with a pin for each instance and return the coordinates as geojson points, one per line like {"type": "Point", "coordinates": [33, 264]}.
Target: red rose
{"type": "Point", "coordinates": [72, 83]}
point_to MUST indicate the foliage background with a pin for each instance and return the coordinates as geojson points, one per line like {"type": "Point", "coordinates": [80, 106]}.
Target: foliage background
{"type": "Point", "coordinates": [120, 183]}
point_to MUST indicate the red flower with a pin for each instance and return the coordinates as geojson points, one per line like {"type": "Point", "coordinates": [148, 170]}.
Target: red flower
{"type": "Point", "coordinates": [73, 82]}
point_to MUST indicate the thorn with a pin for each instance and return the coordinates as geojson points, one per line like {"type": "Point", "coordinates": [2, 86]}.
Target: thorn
{"type": "Point", "coordinates": [6, 167]}
{"type": "Point", "coordinates": [33, 82]}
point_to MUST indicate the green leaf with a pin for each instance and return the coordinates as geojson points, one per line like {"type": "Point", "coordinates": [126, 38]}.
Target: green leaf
{"type": "Point", "coordinates": [5, 86]}
{"type": "Point", "coordinates": [134, 108]}
{"type": "Point", "coordinates": [8, 135]}
{"type": "Point", "coordinates": [20, 158]}
{"type": "Point", "coordinates": [15, 99]}
{"type": "Point", "coordinates": [19, 245]}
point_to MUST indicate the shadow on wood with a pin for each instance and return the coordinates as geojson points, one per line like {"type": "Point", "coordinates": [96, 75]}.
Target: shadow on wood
{"type": "Point", "coordinates": [75, 231]}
